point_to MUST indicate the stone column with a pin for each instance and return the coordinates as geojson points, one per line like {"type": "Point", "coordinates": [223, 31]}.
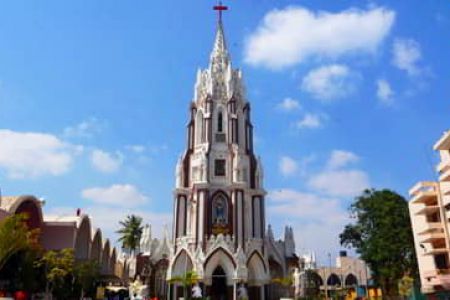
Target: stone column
{"type": "Point", "coordinates": [181, 222]}
{"type": "Point", "coordinates": [263, 294]}
{"type": "Point", "coordinates": [200, 222]}
{"type": "Point", "coordinates": [240, 219]}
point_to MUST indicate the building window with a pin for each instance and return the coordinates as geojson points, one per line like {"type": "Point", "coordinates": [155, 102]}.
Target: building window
{"type": "Point", "coordinates": [440, 261]}
{"type": "Point", "coordinates": [219, 167]}
{"type": "Point", "coordinates": [220, 122]}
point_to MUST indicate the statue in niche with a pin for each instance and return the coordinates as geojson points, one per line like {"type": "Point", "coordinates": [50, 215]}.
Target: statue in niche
{"type": "Point", "coordinates": [219, 215]}
{"type": "Point", "coordinates": [196, 292]}
{"type": "Point", "coordinates": [219, 211]}
{"type": "Point", "coordinates": [242, 292]}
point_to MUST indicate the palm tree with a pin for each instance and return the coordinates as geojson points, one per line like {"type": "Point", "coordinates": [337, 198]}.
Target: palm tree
{"type": "Point", "coordinates": [130, 233]}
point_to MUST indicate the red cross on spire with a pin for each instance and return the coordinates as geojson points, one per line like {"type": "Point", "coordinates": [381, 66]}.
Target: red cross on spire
{"type": "Point", "coordinates": [220, 8]}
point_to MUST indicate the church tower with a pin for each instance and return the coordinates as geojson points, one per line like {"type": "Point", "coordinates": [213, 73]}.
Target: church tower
{"type": "Point", "coordinates": [219, 179]}
{"type": "Point", "coordinates": [219, 210]}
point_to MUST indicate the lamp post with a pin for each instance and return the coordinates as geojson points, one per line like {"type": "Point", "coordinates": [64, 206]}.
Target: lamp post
{"type": "Point", "coordinates": [326, 277]}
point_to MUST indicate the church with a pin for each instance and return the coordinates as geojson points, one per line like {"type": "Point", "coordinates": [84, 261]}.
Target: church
{"type": "Point", "coordinates": [219, 217]}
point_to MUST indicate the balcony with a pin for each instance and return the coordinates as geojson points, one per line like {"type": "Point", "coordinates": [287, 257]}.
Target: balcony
{"type": "Point", "coordinates": [432, 236]}
{"type": "Point", "coordinates": [438, 277]}
{"type": "Point", "coordinates": [432, 227]}
{"type": "Point", "coordinates": [424, 192]}
{"type": "Point", "coordinates": [444, 142]}
{"type": "Point", "coordinates": [445, 189]}
{"type": "Point", "coordinates": [445, 175]}
{"type": "Point", "coordinates": [435, 251]}
{"type": "Point", "coordinates": [443, 166]}
{"type": "Point", "coordinates": [428, 210]}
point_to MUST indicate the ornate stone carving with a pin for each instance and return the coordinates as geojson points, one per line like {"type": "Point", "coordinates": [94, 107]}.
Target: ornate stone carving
{"type": "Point", "coordinates": [146, 239]}
{"type": "Point", "coordinates": [199, 260]}
{"type": "Point", "coordinates": [241, 272]}
{"type": "Point", "coordinates": [224, 241]}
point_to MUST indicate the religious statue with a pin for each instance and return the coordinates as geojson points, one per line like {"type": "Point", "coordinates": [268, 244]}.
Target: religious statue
{"type": "Point", "coordinates": [196, 292]}
{"type": "Point", "coordinates": [138, 291]}
{"type": "Point", "coordinates": [297, 282]}
{"type": "Point", "coordinates": [219, 211]}
{"type": "Point", "coordinates": [242, 292]}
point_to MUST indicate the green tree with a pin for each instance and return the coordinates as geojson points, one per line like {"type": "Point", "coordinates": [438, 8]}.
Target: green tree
{"type": "Point", "coordinates": [58, 266]}
{"type": "Point", "coordinates": [187, 281]}
{"type": "Point", "coordinates": [406, 286]}
{"type": "Point", "coordinates": [86, 275]}
{"type": "Point", "coordinates": [286, 283]}
{"type": "Point", "coordinates": [15, 237]}
{"type": "Point", "coordinates": [130, 233]}
{"type": "Point", "coordinates": [383, 237]}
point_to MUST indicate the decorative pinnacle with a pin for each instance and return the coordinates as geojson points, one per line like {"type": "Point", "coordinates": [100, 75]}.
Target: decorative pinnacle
{"type": "Point", "coordinates": [219, 54]}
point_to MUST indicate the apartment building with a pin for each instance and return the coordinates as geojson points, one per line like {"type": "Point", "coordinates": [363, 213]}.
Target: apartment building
{"type": "Point", "coordinates": [429, 208]}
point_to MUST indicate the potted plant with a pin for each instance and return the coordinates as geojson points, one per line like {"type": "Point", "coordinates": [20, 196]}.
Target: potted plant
{"type": "Point", "coordinates": [187, 281]}
{"type": "Point", "coordinates": [286, 282]}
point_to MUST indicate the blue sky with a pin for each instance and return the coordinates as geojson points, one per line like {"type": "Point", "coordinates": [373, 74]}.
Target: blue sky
{"type": "Point", "coordinates": [94, 100]}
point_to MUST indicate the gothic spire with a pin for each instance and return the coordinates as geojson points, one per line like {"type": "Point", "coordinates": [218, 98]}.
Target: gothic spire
{"type": "Point", "coordinates": [219, 54]}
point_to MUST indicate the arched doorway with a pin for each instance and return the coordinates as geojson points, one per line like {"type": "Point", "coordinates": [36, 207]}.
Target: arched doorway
{"type": "Point", "coordinates": [351, 280]}
{"type": "Point", "coordinates": [219, 284]}
{"type": "Point", "coordinates": [276, 290]}
{"type": "Point", "coordinates": [333, 280]}
{"type": "Point", "coordinates": [179, 269]}
{"type": "Point", "coordinates": [313, 284]}
{"type": "Point", "coordinates": [257, 276]}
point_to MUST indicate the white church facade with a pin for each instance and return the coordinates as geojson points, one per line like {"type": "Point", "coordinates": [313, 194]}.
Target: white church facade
{"type": "Point", "coordinates": [219, 217]}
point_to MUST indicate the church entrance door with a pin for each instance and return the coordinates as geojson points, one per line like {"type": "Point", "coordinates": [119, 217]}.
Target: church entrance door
{"type": "Point", "coordinates": [219, 284]}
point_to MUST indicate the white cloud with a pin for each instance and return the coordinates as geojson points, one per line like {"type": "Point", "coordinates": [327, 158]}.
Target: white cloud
{"type": "Point", "coordinates": [320, 214]}
{"type": "Point", "coordinates": [289, 104]}
{"type": "Point", "coordinates": [288, 166]}
{"type": "Point", "coordinates": [330, 82]}
{"type": "Point", "coordinates": [123, 195]}
{"type": "Point", "coordinates": [85, 129]}
{"type": "Point", "coordinates": [340, 183]}
{"type": "Point", "coordinates": [318, 221]}
{"type": "Point", "coordinates": [136, 148]}
{"type": "Point", "coordinates": [290, 36]}
{"type": "Point", "coordinates": [33, 154]}
{"type": "Point", "coordinates": [340, 158]}
{"type": "Point", "coordinates": [406, 54]}
{"type": "Point", "coordinates": [106, 162]}
{"type": "Point", "coordinates": [384, 92]}
{"type": "Point", "coordinates": [310, 121]}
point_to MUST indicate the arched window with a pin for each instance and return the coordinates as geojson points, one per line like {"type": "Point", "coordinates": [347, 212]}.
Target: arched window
{"type": "Point", "coordinates": [220, 122]}
{"type": "Point", "coordinates": [199, 128]}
